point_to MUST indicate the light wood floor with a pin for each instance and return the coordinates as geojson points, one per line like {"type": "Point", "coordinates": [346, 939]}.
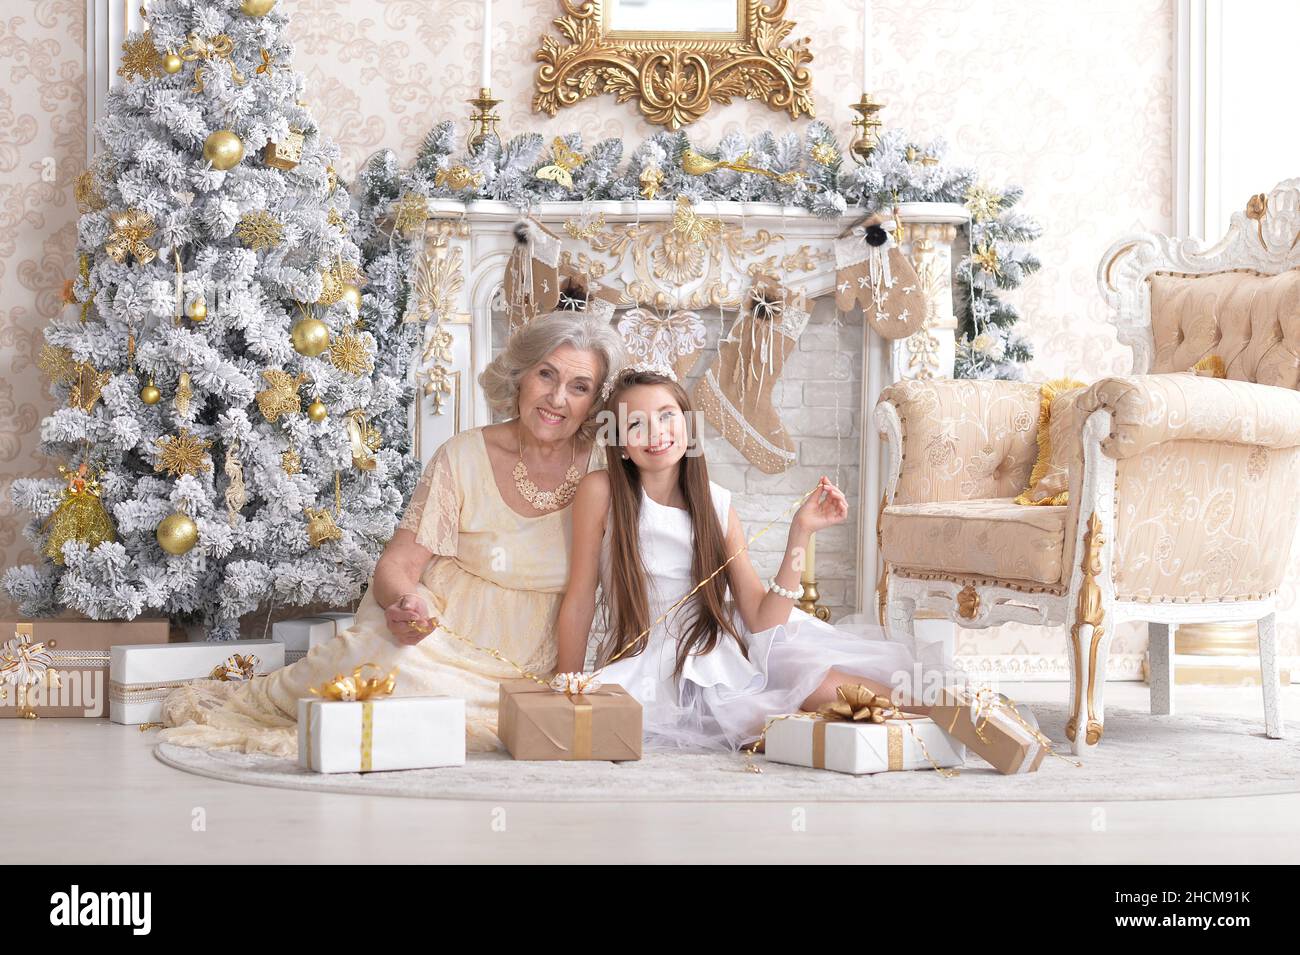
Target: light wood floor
{"type": "Point", "coordinates": [101, 796]}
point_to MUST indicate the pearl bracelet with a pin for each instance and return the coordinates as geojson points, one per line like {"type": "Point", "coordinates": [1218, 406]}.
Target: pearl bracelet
{"type": "Point", "coordinates": [780, 591]}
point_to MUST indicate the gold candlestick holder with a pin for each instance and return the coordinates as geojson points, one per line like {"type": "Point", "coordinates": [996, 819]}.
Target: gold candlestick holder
{"type": "Point", "coordinates": [808, 581]}
{"type": "Point", "coordinates": [484, 117]}
{"type": "Point", "coordinates": [868, 125]}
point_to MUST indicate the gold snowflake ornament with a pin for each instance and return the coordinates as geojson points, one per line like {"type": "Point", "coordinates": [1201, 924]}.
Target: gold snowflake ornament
{"type": "Point", "coordinates": [348, 353]}
{"type": "Point", "coordinates": [986, 257]}
{"type": "Point", "coordinates": [410, 212]}
{"type": "Point", "coordinates": [260, 230]}
{"type": "Point", "coordinates": [139, 58]}
{"type": "Point", "coordinates": [984, 204]}
{"type": "Point", "coordinates": [290, 462]}
{"type": "Point", "coordinates": [824, 154]}
{"type": "Point", "coordinates": [182, 454]}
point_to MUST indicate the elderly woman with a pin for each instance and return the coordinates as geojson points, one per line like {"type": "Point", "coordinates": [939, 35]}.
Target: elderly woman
{"type": "Point", "coordinates": [482, 551]}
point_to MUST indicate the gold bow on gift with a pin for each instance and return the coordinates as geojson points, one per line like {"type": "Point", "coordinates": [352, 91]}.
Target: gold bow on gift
{"type": "Point", "coordinates": [238, 668]}
{"type": "Point", "coordinates": [860, 705]}
{"type": "Point", "coordinates": [201, 48]}
{"type": "Point", "coordinates": [356, 688]}
{"type": "Point", "coordinates": [698, 165]}
{"type": "Point", "coordinates": [130, 230]}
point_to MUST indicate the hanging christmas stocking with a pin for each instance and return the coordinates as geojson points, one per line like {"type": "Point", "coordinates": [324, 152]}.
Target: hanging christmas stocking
{"type": "Point", "coordinates": [735, 394]}
{"type": "Point", "coordinates": [532, 283]}
{"type": "Point", "coordinates": [672, 341]}
{"type": "Point", "coordinates": [579, 293]}
{"type": "Point", "coordinates": [872, 271]}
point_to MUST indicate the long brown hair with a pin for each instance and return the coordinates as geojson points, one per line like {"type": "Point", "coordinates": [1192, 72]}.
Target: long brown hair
{"type": "Point", "coordinates": [626, 599]}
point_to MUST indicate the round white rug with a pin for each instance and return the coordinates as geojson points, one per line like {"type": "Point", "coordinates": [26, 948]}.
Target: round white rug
{"type": "Point", "coordinates": [1141, 757]}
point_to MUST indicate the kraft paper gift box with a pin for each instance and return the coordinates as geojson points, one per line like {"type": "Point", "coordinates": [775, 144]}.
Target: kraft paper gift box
{"type": "Point", "coordinates": [537, 722]}
{"type": "Point", "coordinates": [141, 676]}
{"type": "Point", "coordinates": [846, 746]}
{"type": "Point", "coordinates": [73, 664]}
{"type": "Point", "coordinates": [1008, 744]}
{"type": "Point", "coordinates": [300, 635]}
{"type": "Point", "coordinates": [394, 732]}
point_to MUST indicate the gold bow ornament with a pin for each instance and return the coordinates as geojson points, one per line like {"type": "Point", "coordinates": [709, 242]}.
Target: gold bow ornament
{"type": "Point", "coordinates": [24, 665]}
{"type": "Point", "coordinates": [358, 687]}
{"type": "Point", "coordinates": [218, 47]}
{"type": "Point", "coordinates": [131, 229]}
{"type": "Point", "coordinates": [238, 668]}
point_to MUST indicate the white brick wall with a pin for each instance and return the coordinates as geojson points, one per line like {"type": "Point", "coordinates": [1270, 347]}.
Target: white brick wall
{"type": "Point", "coordinates": [825, 368]}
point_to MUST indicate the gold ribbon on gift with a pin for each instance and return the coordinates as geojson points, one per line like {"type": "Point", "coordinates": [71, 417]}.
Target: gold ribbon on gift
{"type": "Point", "coordinates": [357, 688]}
{"type": "Point", "coordinates": [893, 745]}
{"type": "Point", "coordinates": [984, 703]}
{"type": "Point", "coordinates": [237, 668]}
{"type": "Point", "coordinates": [581, 726]}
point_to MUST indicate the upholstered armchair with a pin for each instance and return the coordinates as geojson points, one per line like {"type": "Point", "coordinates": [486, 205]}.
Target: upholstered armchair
{"type": "Point", "coordinates": [1183, 488]}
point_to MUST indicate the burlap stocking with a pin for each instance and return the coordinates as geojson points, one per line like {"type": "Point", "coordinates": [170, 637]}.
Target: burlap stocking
{"type": "Point", "coordinates": [735, 393]}
{"type": "Point", "coordinates": [872, 271]}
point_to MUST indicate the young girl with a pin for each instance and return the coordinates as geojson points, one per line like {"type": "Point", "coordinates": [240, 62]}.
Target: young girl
{"type": "Point", "coordinates": [648, 530]}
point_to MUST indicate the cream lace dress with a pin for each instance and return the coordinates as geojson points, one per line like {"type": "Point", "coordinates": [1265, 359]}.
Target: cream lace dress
{"type": "Point", "coordinates": [496, 577]}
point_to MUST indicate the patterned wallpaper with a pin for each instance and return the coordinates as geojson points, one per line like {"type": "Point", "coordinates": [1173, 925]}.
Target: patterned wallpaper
{"type": "Point", "coordinates": [1072, 101]}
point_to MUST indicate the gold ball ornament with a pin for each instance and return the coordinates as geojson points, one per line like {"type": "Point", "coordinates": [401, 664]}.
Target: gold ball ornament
{"type": "Point", "coordinates": [256, 8]}
{"type": "Point", "coordinates": [317, 411]}
{"type": "Point", "coordinates": [197, 310]}
{"type": "Point", "coordinates": [172, 63]}
{"type": "Point", "coordinates": [310, 337]}
{"type": "Point", "coordinates": [177, 533]}
{"type": "Point", "coordinates": [223, 149]}
{"type": "Point", "coordinates": [150, 394]}
{"type": "Point", "coordinates": [351, 294]}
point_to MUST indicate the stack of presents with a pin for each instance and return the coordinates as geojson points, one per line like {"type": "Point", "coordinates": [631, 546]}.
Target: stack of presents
{"type": "Point", "coordinates": [67, 668]}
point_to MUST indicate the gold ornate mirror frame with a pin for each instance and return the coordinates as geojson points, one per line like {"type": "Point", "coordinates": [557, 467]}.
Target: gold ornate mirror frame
{"type": "Point", "coordinates": [674, 76]}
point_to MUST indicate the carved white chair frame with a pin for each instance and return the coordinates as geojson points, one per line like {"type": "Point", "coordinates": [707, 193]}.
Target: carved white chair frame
{"type": "Point", "coordinates": [1262, 239]}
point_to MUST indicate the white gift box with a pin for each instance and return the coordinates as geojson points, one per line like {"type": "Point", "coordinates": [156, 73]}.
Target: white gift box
{"type": "Point", "coordinates": [858, 748]}
{"type": "Point", "coordinates": [140, 675]}
{"type": "Point", "coordinates": [300, 635]}
{"type": "Point", "coordinates": [395, 732]}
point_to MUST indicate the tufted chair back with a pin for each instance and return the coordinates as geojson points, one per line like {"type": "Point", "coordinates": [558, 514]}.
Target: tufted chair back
{"type": "Point", "coordinates": [1249, 319]}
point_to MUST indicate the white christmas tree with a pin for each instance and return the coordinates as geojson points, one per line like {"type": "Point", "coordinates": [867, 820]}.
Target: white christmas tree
{"type": "Point", "coordinates": [231, 441]}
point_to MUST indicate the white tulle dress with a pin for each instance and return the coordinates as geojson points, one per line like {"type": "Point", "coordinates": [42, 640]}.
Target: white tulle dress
{"type": "Point", "coordinates": [722, 699]}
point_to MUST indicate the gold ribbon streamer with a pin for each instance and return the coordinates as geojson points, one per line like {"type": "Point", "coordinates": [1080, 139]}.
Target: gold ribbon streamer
{"type": "Point", "coordinates": [367, 735]}
{"type": "Point", "coordinates": [581, 727]}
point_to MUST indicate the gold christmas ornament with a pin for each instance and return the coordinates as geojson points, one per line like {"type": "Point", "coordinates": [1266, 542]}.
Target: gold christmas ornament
{"type": "Point", "coordinates": [984, 204]}
{"type": "Point", "coordinates": [280, 396]}
{"type": "Point", "coordinates": [563, 161]}
{"type": "Point", "coordinates": [321, 526]}
{"type": "Point", "coordinates": [86, 192]}
{"type": "Point", "coordinates": [824, 154]}
{"type": "Point", "coordinates": [290, 463]}
{"type": "Point", "coordinates": [692, 226]}
{"type": "Point", "coordinates": [182, 454]}
{"type": "Point", "coordinates": [310, 337]}
{"type": "Point", "coordinates": [256, 8]}
{"type": "Point", "coordinates": [177, 534]}
{"type": "Point", "coordinates": [219, 47]}
{"type": "Point", "coordinates": [265, 68]}
{"type": "Point", "coordinates": [697, 164]}
{"type": "Point", "coordinates": [236, 493]}
{"type": "Point", "coordinates": [985, 256]}
{"type": "Point", "coordinates": [224, 149]}
{"type": "Point", "coordinates": [652, 178]}
{"type": "Point", "coordinates": [260, 230]}
{"type": "Point", "coordinates": [334, 281]}
{"type": "Point", "coordinates": [348, 354]}
{"type": "Point", "coordinates": [150, 394]}
{"type": "Point", "coordinates": [457, 177]}
{"type": "Point", "coordinates": [411, 211]}
{"type": "Point", "coordinates": [197, 310]}
{"type": "Point", "coordinates": [80, 516]}
{"type": "Point", "coordinates": [285, 154]}
{"type": "Point", "coordinates": [172, 63]}
{"type": "Point", "coordinates": [88, 387]}
{"type": "Point", "coordinates": [139, 59]}
{"type": "Point", "coordinates": [131, 229]}
{"type": "Point", "coordinates": [184, 392]}
{"type": "Point", "coordinates": [317, 411]}
{"type": "Point", "coordinates": [351, 294]}
{"type": "Point", "coordinates": [365, 440]}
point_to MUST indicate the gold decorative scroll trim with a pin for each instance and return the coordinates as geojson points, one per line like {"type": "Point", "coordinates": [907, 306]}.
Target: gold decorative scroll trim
{"type": "Point", "coordinates": [1091, 611]}
{"type": "Point", "coordinates": [674, 77]}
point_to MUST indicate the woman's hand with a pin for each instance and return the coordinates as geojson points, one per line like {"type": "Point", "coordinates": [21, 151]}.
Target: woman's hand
{"type": "Point", "coordinates": [409, 619]}
{"type": "Point", "coordinates": [825, 507]}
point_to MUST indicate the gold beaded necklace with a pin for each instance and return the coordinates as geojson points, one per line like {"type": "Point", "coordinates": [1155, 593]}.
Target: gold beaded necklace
{"type": "Point", "coordinates": [546, 500]}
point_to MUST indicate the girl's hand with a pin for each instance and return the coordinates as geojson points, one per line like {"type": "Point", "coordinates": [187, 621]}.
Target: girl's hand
{"type": "Point", "coordinates": [409, 619]}
{"type": "Point", "coordinates": [825, 507]}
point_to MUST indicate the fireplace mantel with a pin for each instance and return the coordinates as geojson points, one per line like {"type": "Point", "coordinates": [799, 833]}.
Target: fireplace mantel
{"type": "Point", "coordinates": [621, 245]}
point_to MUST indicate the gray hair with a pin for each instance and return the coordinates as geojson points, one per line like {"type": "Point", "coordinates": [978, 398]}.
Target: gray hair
{"type": "Point", "coordinates": [543, 335]}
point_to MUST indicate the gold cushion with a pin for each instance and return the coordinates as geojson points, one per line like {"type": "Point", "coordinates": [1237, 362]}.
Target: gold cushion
{"type": "Point", "coordinates": [1058, 444]}
{"type": "Point", "coordinates": [989, 537]}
